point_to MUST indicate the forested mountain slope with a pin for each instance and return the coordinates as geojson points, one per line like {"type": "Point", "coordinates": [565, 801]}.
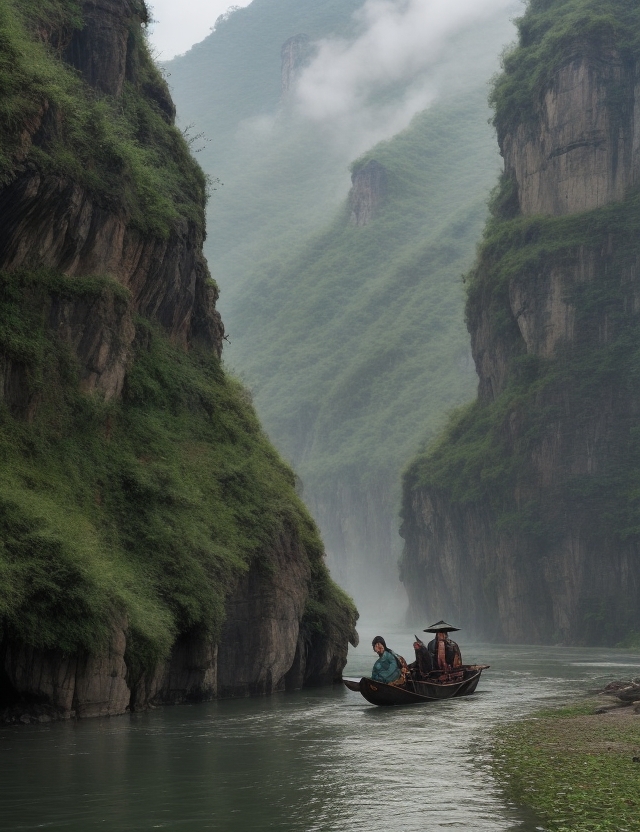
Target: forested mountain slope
{"type": "Point", "coordinates": [152, 546]}
{"type": "Point", "coordinates": [362, 348]}
{"type": "Point", "coordinates": [343, 299]}
{"type": "Point", "coordinates": [523, 521]}
{"type": "Point", "coordinates": [280, 176]}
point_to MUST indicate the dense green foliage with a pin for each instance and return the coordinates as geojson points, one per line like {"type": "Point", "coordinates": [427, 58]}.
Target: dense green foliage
{"type": "Point", "coordinates": [351, 339]}
{"type": "Point", "coordinates": [476, 458]}
{"type": "Point", "coordinates": [575, 770]}
{"type": "Point", "coordinates": [548, 34]}
{"type": "Point", "coordinates": [362, 330]}
{"type": "Point", "coordinates": [145, 509]}
{"type": "Point", "coordinates": [124, 151]}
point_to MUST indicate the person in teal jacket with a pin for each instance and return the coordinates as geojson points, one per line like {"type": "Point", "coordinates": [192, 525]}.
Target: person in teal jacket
{"type": "Point", "coordinates": [387, 669]}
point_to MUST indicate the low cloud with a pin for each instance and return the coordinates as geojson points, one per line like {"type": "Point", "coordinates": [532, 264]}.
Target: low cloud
{"type": "Point", "coordinates": [405, 53]}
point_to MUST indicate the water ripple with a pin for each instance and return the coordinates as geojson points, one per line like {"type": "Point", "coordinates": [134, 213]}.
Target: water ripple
{"type": "Point", "coordinates": [315, 761]}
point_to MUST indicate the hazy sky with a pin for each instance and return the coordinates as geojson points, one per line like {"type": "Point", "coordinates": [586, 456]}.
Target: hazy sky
{"type": "Point", "coordinates": [414, 47]}
{"type": "Point", "coordinates": [181, 23]}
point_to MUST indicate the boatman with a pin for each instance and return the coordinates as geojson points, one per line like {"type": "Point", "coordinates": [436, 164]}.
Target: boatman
{"type": "Point", "coordinates": [445, 653]}
{"type": "Point", "coordinates": [389, 668]}
{"type": "Point", "coordinates": [423, 665]}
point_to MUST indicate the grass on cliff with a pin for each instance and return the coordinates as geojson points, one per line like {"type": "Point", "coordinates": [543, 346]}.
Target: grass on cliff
{"type": "Point", "coordinates": [361, 347]}
{"type": "Point", "coordinates": [475, 458]}
{"type": "Point", "coordinates": [547, 35]}
{"type": "Point", "coordinates": [146, 509]}
{"type": "Point", "coordinates": [122, 150]}
{"type": "Point", "coordinates": [573, 768]}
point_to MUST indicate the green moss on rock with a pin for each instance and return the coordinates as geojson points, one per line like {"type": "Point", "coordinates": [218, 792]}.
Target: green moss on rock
{"type": "Point", "coordinates": [547, 37]}
{"type": "Point", "coordinates": [148, 508]}
{"type": "Point", "coordinates": [123, 150]}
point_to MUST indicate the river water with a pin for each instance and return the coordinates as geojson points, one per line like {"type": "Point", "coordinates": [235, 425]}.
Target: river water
{"type": "Point", "coordinates": [313, 761]}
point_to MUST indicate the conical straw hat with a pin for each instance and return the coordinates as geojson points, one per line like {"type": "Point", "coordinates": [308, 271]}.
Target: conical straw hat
{"type": "Point", "coordinates": [441, 627]}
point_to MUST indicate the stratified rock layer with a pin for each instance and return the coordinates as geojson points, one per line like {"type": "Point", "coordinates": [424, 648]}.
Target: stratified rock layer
{"type": "Point", "coordinates": [534, 556]}
{"type": "Point", "coordinates": [49, 221]}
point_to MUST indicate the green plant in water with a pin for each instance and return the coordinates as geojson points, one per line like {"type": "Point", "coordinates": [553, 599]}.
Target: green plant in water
{"type": "Point", "coordinates": [574, 768]}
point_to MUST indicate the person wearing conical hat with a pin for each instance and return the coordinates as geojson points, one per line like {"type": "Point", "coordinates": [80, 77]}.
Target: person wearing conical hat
{"type": "Point", "coordinates": [445, 653]}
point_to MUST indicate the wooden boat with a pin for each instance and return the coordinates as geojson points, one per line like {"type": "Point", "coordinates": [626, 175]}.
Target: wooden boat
{"type": "Point", "coordinates": [413, 693]}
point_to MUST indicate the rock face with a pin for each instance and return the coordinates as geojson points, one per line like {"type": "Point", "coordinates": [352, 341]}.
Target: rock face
{"type": "Point", "coordinates": [263, 649]}
{"type": "Point", "coordinates": [255, 660]}
{"type": "Point", "coordinates": [583, 148]}
{"type": "Point", "coordinates": [368, 190]}
{"type": "Point", "coordinates": [294, 54]}
{"type": "Point", "coordinates": [50, 221]}
{"type": "Point", "coordinates": [100, 50]}
{"type": "Point", "coordinates": [82, 686]}
{"type": "Point", "coordinates": [527, 543]}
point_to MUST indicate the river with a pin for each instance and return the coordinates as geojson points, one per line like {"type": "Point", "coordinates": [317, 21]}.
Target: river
{"type": "Point", "coordinates": [313, 761]}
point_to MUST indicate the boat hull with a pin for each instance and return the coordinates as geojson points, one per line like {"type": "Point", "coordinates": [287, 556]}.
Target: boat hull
{"type": "Point", "coordinates": [414, 693]}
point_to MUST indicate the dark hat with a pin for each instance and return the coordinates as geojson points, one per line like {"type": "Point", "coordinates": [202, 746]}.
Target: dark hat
{"type": "Point", "coordinates": [441, 627]}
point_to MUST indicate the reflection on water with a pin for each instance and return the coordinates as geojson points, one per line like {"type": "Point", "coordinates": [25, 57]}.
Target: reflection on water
{"type": "Point", "coordinates": [621, 664]}
{"type": "Point", "coordinates": [314, 761]}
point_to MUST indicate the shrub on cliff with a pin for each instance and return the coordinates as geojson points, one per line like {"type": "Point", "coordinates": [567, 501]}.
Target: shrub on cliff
{"type": "Point", "coordinates": [144, 510]}
{"type": "Point", "coordinates": [122, 150]}
{"type": "Point", "coordinates": [547, 35]}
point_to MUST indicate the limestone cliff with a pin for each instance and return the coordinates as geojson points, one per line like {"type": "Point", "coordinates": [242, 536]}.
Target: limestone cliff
{"type": "Point", "coordinates": [368, 191]}
{"type": "Point", "coordinates": [521, 523]}
{"type": "Point", "coordinates": [294, 54]}
{"type": "Point", "coordinates": [582, 148]}
{"type": "Point", "coordinates": [153, 548]}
